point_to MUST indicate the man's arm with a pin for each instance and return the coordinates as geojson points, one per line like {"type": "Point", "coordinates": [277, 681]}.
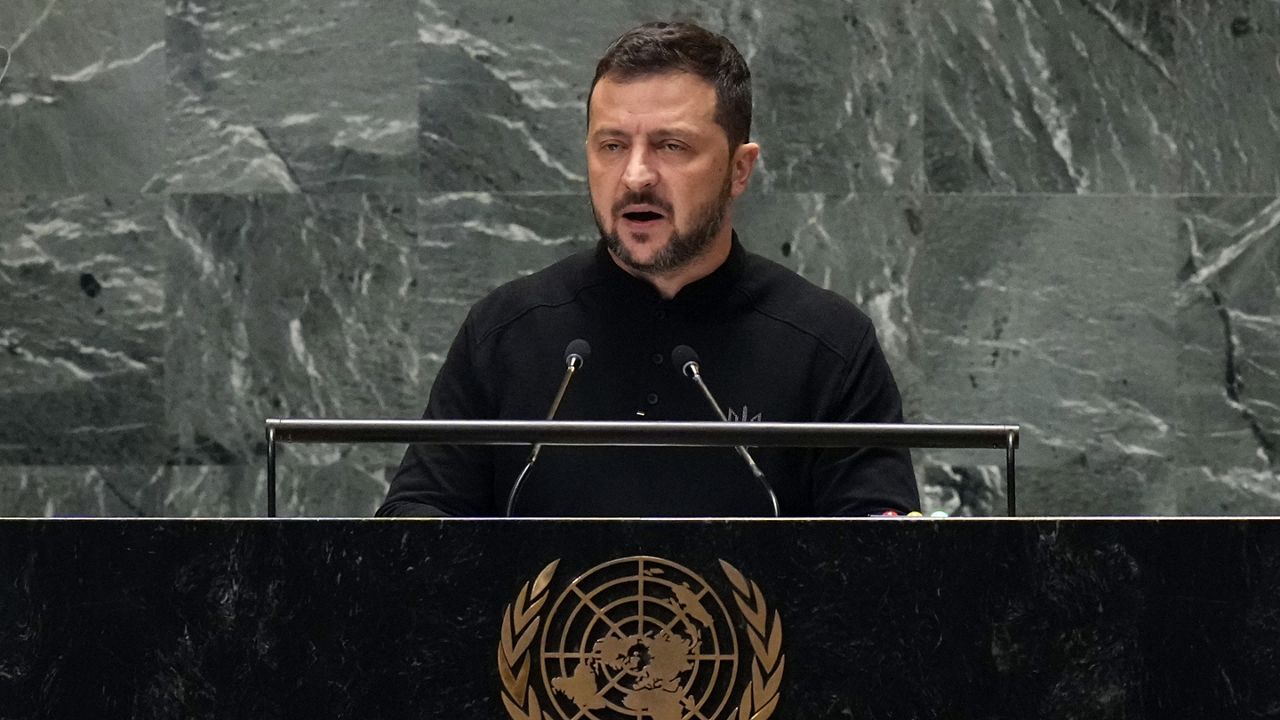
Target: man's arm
{"type": "Point", "coordinates": [865, 481]}
{"type": "Point", "coordinates": [447, 480]}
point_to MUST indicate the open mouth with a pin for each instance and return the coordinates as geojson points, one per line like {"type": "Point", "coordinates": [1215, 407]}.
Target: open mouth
{"type": "Point", "coordinates": [642, 216]}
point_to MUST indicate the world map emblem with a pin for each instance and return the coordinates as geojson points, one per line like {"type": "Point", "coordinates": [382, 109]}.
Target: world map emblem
{"type": "Point", "coordinates": [640, 638]}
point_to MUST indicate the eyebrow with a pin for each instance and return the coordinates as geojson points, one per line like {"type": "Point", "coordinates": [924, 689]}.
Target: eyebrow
{"type": "Point", "coordinates": [672, 131]}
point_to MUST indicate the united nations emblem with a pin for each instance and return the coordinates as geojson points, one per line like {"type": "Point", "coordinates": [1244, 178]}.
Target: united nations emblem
{"type": "Point", "coordinates": [640, 637]}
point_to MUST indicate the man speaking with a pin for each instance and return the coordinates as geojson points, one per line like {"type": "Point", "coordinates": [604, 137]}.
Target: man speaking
{"type": "Point", "coordinates": [668, 291]}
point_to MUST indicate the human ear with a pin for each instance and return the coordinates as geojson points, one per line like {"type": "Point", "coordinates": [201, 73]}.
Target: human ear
{"type": "Point", "coordinates": [742, 164]}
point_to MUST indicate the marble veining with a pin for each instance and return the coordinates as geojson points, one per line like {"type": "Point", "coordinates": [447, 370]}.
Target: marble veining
{"type": "Point", "coordinates": [1049, 97]}
{"type": "Point", "coordinates": [81, 107]}
{"type": "Point", "coordinates": [504, 96]}
{"type": "Point", "coordinates": [1060, 213]}
{"type": "Point", "coordinates": [279, 98]}
{"type": "Point", "coordinates": [294, 306]}
{"type": "Point", "coordinates": [1052, 321]}
{"type": "Point", "coordinates": [82, 327]}
{"type": "Point", "coordinates": [1228, 297]}
{"type": "Point", "coordinates": [1103, 96]}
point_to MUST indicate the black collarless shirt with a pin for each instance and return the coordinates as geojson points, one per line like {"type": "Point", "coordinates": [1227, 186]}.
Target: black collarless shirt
{"type": "Point", "coordinates": [773, 347]}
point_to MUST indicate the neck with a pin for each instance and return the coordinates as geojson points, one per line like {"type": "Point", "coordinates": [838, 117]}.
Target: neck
{"type": "Point", "coordinates": [670, 283]}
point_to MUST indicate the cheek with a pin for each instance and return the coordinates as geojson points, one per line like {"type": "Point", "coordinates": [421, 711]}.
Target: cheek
{"type": "Point", "coordinates": [598, 196]}
{"type": "Point", "coordinates": [599, 181]}
{"type": "Point", "coordinates": [602, 205]}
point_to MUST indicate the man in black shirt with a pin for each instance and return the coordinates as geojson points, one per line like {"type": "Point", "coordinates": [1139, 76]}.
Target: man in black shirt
{"type": "Point", "coordinates": [668, 153]}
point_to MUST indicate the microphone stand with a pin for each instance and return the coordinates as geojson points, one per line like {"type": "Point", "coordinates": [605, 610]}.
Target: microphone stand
{"type": "Point", "coordinates": [694, 372]}
{"type": "Point", "coordinates": [573, 361]}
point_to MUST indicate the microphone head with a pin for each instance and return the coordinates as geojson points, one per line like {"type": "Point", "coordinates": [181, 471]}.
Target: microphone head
{"type": "Point", "coordinates": [685, 359]}
{"type": "Point", "coordinates": [577, 352]}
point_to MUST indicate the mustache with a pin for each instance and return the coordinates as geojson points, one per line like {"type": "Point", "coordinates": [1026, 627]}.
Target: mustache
{"type": "Point", "coordinates": [641, 198]}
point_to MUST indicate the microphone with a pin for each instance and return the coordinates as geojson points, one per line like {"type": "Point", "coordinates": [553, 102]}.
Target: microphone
{"type": "Point", "coordinates": [575, 356]}
{"type": "Point", "coordinates": [686, 359]}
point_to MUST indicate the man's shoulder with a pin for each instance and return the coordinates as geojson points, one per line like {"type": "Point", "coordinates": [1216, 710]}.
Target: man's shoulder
{"type": "Point", "coordinates": [557, 284]}
{"type": "Point", "coordinates": [781, 294]}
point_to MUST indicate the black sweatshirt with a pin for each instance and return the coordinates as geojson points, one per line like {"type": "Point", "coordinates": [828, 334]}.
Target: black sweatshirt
{"type": "Point", "coordinates": [773, 348]}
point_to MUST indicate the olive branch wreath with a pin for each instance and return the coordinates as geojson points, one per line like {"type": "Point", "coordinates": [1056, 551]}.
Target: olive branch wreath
{"type": "Point", "coordinates": [760, 698]}
{"type": "Point", "coordinates": [520, 623]}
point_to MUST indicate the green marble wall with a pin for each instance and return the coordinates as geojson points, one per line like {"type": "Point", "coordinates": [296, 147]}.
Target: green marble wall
{"type": "Point", "coordinates": [1060, 213]}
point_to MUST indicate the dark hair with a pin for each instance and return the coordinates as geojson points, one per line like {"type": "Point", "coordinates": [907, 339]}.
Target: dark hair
{"type": "Point", "coordinates": [661, 47]}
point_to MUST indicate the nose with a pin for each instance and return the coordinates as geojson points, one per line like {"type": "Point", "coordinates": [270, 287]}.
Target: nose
{"type": "Point", "coordinates": [639, 172]}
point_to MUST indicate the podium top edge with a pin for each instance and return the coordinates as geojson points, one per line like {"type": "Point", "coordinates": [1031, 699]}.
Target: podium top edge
{"type": "Point", "coordinates": [553, 432]}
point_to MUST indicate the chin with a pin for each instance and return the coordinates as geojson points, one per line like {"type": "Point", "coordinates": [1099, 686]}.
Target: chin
{"type": "Point", "coordinates": [644, 247]}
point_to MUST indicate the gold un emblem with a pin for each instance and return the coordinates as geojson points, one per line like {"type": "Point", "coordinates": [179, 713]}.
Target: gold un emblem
{"type": "Point", "coordinates": [643, 638]}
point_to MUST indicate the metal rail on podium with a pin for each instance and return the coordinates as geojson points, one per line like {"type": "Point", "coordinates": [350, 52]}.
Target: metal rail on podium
{"type": "Point", "coordinates": [671, 434]}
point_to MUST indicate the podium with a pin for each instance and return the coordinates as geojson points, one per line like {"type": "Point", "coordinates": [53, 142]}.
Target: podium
{"type": "Point", "coordinates": [495, 619]}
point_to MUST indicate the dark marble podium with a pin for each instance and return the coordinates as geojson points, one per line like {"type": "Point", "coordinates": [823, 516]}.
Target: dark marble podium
{"type": "Point", "coordinates": [1029, 618]}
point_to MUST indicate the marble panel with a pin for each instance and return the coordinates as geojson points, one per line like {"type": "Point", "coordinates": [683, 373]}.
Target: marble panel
{"type": "Point", "coordinates": [1228, 68]}
{"type": "Point", "coordinates": [502, 103]}
{"type": "Point", "coordinates": [1102, 96]}
{"type": "Point", "coordinates": [478, 241]}
{"type": "Point", "coordinates": [837, 90]}
{"type": "Point", "coordinates": [301, 95]}
{"type": "Point", "coordinates": [329, 306]}
{"type": "Point", "coordinates": [312, 482]}
{"type": "Point", "coordinates": [1228, 315]}
{"type": "Point", "coordinates": [82, 326]}
{"type": "Point", "coordinates": [290, 306]}
{"type": "Point", "coordinates": [860, 246]}
{"type": "Point", "coordinates": [99, 491]}
{"type": "Point", "coordinates": [504, 90]}
{"type": "Point", "coordinates": [325, 481]}
{"type": "Point", "coordinates": [82, 105]}
{"type": "Point", "coordinates": [865, 247]}
{"type": "Point", "coordinates": [1057, 312]}
{"type": "Point", "coordinates": [1051, 96]}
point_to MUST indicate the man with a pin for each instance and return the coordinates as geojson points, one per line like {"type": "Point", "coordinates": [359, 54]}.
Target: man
{"type": "Point", "coordinates": [668, 152]}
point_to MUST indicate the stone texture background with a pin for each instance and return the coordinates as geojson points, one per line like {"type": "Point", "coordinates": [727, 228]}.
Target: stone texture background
{"type": "Point", "coordinates": [1061, 213]}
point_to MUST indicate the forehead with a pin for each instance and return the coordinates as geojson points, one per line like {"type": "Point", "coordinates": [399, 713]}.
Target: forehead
{"type": "Point", "coordinates": [637, 104]}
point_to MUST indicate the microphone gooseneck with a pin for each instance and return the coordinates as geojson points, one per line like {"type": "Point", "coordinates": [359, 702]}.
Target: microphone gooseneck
{"type": "Point", "coordinates": [685, 359]}
{"type": "Point", "coordinates": [575, 356]}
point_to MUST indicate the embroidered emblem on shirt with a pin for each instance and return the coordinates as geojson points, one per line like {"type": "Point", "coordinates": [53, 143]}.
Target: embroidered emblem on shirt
{"type": "Point", "coordinates": [746, 416]}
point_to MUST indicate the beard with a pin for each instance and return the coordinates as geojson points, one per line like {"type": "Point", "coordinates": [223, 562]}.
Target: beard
{"type": "Point", "coordinates": [683, 247]}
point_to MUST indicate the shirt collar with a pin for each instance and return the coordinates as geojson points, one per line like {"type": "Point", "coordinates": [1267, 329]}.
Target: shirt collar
{"type": "Point", "coordinates": [713, 288]}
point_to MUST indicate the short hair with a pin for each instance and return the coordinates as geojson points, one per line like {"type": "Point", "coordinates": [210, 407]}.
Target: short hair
{"type": "Point", "coordinates": [661, 47]}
